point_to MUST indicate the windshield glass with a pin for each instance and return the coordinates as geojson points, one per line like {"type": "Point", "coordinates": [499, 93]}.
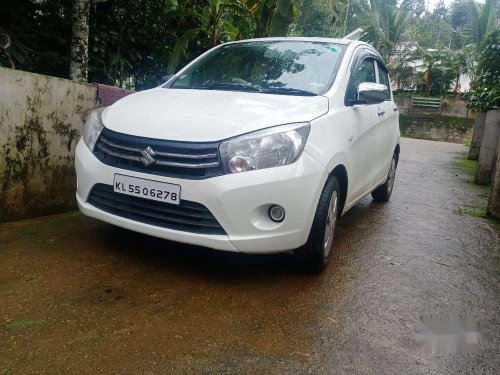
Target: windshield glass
{"type": "Point", "coordinates": [276, 67]}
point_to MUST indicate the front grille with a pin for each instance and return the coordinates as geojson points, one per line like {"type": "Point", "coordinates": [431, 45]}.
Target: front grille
{"type": "Point", "coordinates": [191, 160]}
{"type": "Point", "coordinates": [188, 216]}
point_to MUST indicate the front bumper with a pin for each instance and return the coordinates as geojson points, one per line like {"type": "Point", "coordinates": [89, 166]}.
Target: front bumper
{"type": "Point", "coordinates": [239, 202]}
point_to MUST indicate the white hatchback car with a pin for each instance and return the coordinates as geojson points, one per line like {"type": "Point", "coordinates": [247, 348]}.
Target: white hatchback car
{"type": "Point", "coordinates": [256, 146]}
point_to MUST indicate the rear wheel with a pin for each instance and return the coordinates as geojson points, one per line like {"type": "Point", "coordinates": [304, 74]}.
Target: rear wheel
{"type": "Point", "coordinates": [315, 255]}
{"type": "Point", "coordinates": [383, 192]}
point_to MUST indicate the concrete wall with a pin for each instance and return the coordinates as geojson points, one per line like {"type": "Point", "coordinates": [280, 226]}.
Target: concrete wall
{"type": "Point", "coordinates": [41, 120]}
{"type": "Point", "coordinates": [436, 128]}
{"type": "Point", "coordinates": [456, 109]}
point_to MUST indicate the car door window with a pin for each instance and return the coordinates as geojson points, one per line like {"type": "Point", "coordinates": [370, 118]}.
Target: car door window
{"type": "Point", "coordinates": [365, 73]}
{"type": "Point", "coordinates": [383, 79]}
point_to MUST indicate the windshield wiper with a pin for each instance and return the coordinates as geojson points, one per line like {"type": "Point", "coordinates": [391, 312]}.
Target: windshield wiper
{"type": "Point", "coordinates": [287, 91]}
{"type": "Point", "coordinates": [228, 86]}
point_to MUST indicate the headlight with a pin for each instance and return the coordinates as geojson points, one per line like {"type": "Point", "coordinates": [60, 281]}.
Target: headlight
{"type": "Point", "coordinates": [268, 148]}
{"type": "Point", "coordinates": [93, 127]}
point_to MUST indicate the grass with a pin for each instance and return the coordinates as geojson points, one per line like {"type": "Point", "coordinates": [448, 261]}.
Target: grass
{"type": "Point", "coordinates": [19, 324]}
{"type": "Point", "coordinates": [467, 165]}
{"type": "Point", "coordinates": [475, 212]}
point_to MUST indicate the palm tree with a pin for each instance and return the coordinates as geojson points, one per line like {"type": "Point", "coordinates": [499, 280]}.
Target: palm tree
{"type": "Point", "coordinates": [385, 28]}
{"type": "Point", "coordinates": [483, 19]}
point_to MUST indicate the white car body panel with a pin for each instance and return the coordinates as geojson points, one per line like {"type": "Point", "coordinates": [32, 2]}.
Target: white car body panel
{"type": "Point", "coordinates": [356, 138]}
{"type": "Point", "coordinates": [195, 115]}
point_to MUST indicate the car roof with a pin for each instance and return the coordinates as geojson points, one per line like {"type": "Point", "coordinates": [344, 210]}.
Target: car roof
{"type": "Point", "coordinates": [299, 39]}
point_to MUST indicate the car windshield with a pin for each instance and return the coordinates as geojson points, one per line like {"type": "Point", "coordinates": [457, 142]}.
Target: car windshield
{"type": "Point", "coordinates": [275, 67]}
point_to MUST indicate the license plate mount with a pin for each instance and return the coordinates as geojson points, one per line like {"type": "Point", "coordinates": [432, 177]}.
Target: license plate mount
{"type": "Point", "coordinates": [148, 189]}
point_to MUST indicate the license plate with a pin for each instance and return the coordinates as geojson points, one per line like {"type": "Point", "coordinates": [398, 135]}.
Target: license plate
{"type": "Point", "coordinates": [149, 189]}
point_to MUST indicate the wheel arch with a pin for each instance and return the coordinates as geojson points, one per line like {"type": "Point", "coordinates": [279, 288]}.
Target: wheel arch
{"type": "Point", "coordinates": [340, 172]}
{"type": "Point", "coordinates": [397, 150]}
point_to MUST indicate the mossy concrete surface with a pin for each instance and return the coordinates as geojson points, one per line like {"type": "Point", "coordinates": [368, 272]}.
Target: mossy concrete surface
{"type": "Point", "coordinates": [41, 119]}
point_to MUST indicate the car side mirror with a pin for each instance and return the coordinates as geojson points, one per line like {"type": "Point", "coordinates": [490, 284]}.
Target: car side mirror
{"type": "Point", "coordinates": [372, 93]}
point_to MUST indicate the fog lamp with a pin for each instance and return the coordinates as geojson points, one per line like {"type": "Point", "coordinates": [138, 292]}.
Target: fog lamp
{"type": "Point", "coordinates": [276, 213]}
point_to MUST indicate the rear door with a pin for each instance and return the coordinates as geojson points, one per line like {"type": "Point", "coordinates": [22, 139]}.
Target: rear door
{"type": "Point", "coordinates": [388, 122]}
{"type": "Point", "coordinates": [366, 134]}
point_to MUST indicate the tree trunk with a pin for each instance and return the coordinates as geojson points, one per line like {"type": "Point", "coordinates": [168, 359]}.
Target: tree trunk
{"type": "Point", "coordinates": [494, 201]}
{"type": "Point", "coordinates": [487, 152]}
{"type": "Point", "coordinates": [263, 22]}
{"type": "Point", "coordinates": [455, 90]}
{"type": "Point", "coordinates": [477, 136]}
{"type": "Point", "coordinates": [78, 70]}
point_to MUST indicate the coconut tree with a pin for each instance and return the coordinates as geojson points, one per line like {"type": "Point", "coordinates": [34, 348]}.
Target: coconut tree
{"type": "Point", "coordinates": [483, 19]}
{"type": "Point", "coordinates": [384, 30]}
{"type": "Point", "coordinates": [80, 41]}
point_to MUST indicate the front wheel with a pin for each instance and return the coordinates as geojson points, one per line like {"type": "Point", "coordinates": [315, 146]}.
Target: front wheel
{"type": "Point", "coordinates": [383, 192]}
{"type": "Point", "coordinates": [315, 255]}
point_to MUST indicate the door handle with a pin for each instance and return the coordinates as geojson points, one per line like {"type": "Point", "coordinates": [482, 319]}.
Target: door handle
{"type": "Point", "coordinates": [380, 112]}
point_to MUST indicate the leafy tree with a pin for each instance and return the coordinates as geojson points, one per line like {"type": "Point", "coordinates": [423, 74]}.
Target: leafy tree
{"type": "Point", "coordinates": [213, 22]}
{"type": "Point", "coordinates": [471, 21]}
{"type": "Point", "coordinates": [485, 88]}
{"type": "Point", "coordinates": [432, 30]}
{"type": "Point", "coordinates": [38, 33]}
{"type": "Point", "coordinates": [353, 15]}
{"type": "Point", "coordinates": [316, 18]}
{"type": "Point", "coordinates": [416, 7]}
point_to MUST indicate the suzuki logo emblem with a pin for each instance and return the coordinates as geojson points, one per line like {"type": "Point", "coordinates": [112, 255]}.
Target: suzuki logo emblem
{"type": "Point", "coordinates": [147, 156]}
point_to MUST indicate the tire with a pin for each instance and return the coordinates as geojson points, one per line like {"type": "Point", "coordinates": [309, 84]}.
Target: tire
{"type": "Point", "coordinates": [315, 255]}
{"type": "Point", "coordinates": [383, 192]}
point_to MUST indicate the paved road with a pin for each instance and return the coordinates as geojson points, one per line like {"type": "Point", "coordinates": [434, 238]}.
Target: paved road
{"type": "Point", "coordinates": [83, 297]}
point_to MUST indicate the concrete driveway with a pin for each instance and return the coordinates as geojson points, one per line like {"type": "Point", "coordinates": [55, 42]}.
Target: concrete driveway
{"type": "Point", "coordinates": [78, 296]}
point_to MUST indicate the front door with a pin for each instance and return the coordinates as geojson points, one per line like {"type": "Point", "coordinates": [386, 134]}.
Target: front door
{"type": "Point", "coordinates": [366, 134]}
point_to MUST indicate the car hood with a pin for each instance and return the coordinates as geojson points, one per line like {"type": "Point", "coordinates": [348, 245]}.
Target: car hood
{"type": "Point", "coordinates": [207, 115]}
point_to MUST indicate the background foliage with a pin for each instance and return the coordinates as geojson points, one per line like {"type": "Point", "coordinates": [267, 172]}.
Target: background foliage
{"type": "Point", "coordinates": [485, 89]}
{"type": "Point", "coordinates": [134, 43]}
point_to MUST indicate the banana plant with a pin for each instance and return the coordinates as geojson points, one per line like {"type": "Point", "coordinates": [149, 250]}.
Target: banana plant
{"type": "Point", "coordinates": [273, 17]}
{"type": "Point", "coordinates": [335, 8]}
{"type": "Point", "coordinates": [213, 24]}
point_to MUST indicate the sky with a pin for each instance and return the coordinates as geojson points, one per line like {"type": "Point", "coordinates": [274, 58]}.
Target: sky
{"type": "Point", "coordinates": [433, 3]}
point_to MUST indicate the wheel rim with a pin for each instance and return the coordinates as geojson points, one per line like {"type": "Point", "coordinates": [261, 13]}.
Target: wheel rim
{"type": "Point", "coordinates": [391, 176]}
{"type": "Point", "coordinates": [331, 220]}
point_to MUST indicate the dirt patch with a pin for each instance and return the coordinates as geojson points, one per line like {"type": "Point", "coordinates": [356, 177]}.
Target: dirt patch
{"type": "Point", "coordinates": [79, 296]}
